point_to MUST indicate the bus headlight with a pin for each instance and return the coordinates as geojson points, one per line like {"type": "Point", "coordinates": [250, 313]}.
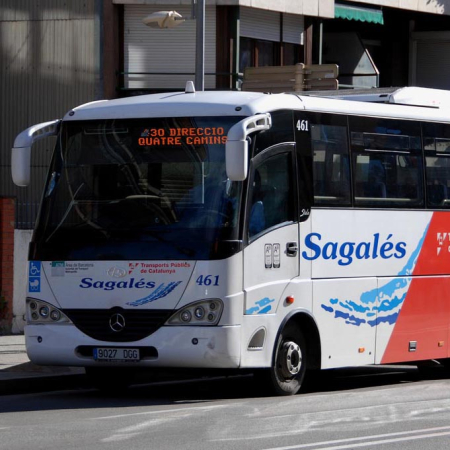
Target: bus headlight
{"type": "Point", "coordinates": [204, 312]}
{"type": "Point", "coordinates": [39, 312]}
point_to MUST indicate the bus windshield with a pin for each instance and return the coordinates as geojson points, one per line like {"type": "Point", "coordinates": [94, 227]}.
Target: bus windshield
{"type": "Point", "coordinates": [139, 189]}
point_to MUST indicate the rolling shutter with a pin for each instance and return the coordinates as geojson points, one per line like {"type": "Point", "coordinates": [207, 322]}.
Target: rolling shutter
{"type": "Point", "coordinates": [166, 50]}
{"type": "Point", "coordinates": [430, 60]}
{"type": "Point", "coordinates": [293, 27]}
{"type": "Point", "coordinates": [260, 24]}
{"type": "Point", "coordinates": [266, 25]}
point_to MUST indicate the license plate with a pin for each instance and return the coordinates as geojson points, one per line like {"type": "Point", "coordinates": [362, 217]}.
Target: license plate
{"type": "Point", "coordinates": [116, 354]}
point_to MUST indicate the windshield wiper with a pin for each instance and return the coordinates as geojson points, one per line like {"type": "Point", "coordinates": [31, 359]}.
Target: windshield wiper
{"type": "Point", "coordinates": [74, 203]}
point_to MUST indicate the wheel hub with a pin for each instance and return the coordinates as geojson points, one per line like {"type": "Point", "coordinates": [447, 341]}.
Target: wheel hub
{"type": "Point", "coordinates": [291, 359]}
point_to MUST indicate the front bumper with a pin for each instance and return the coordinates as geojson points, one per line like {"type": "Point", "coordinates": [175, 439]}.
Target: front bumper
{"type": "Point", "coordinates": [194, 347]}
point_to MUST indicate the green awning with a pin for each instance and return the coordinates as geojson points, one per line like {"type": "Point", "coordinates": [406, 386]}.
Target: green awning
{"type": "Point", "coordinates": [358, 13]}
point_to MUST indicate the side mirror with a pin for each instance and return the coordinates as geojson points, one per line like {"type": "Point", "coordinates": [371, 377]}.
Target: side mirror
{"type": "Point", "coordinates": [21, 165]}
{"type": "Point", "coordinates": [236, 148]}
{"type": "Point", "coordinates": [21, 152]}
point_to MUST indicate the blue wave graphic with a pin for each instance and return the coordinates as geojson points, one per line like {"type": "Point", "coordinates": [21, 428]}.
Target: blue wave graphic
{"type": "Point", "coordinates": [380, 305]}
{"type": "Point", "coordinates": [161, 291]}
{"type": "Point", "coordinates": [263, 306]}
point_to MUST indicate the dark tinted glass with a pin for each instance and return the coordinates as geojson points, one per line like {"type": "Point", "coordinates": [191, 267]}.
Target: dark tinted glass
{"type": "Point", "coordinates": [437, 162]}
{"type": "Point", "coordinates": [272, 194]}
{"type": "Point", "coordinates": [281, 131]}
{"type": "Point", "coordinates": [387, 163]}
{"type": "Point", "coordinates": [331, 167]}
{"type": "Point", "coordinates": [139, 189]}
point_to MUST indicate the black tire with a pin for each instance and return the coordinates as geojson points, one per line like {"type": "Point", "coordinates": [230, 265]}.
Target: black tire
{"type": "Point", "coordinates": [445, 362]}
{"type": "Point", "coordinates": [288, 369]}
{"type": "Point", "coordinates": [111, 380]}
{"type": "Point", "coordinates": [445, 366]}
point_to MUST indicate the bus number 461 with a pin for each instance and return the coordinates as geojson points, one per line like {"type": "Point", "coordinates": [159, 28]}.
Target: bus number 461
{"type": "Point", "coordinates": [208, 280]}
{"type": "Point", "coordinates": [302, 125]}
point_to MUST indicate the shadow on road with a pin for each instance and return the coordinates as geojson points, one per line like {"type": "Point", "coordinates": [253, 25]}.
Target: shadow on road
{"type": "Point", "coordinates": [209, 389]}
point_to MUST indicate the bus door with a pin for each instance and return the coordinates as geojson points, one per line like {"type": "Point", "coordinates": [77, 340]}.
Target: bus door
{"type": "Point", "coordinates": [272, 232]}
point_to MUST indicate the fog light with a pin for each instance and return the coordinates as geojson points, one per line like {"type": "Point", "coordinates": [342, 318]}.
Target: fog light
{"type": "Point", "coordinates": [186, 316]}
{"type": "Point", "coordinates": [199, 312]}
{"type": "Point", "coordinates": [55, 315]}
{"type": "Point", "coordinates": [35, 316]}
{"type": "Point", "coordinates": [44, 311]}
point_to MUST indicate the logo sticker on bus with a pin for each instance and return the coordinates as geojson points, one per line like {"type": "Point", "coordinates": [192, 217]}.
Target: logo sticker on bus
{"type": "Point", "coordinates": [90, 283]}
{"type": "Point", "coordinates": [443, 240]}
{"type": "Point", "coordinates": [117, 272]}
{"type": "Point", "coordinates": [262, 306]}
{"type": "Point", "coordinates": [345, 252]}
{"type": "Point", "coordinates": [161, 291]}
{"type": "Point", "coordinates": [379, 305]}
{"type": "Point", "coordinates": [34, 276]}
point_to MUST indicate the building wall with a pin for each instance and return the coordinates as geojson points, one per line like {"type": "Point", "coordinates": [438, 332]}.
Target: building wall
{"type": "Point", "coordinates": [48, 64]}
{"type": "Point", "coordinates": [50, 61]}
{"type": "Point", "coordinates": [314, 8]}
{"type": "Point", "coordinates": [426, 6]}
{"type": "Point", "coordinates": [22, 240]}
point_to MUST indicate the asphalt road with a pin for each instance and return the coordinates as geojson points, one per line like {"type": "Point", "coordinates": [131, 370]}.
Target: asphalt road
{"type": "Point", "coordinates": [371, 408]}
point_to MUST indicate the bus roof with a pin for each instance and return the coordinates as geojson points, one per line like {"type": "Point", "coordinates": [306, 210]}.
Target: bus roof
{"type": "Point", "coordinates": [181, 104]}
{"type": "Point", "coordinates": [406, 103]}
{"type": "Point", "coordinates": [402, 103]}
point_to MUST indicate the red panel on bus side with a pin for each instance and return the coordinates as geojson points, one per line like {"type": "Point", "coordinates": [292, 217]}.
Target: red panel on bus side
{"type": "Point", "coordinates": [434, 257]}
{"type": "Point", "coordinates": [425, 314]}
{"type": "Point", "coordinates": [424, 318]}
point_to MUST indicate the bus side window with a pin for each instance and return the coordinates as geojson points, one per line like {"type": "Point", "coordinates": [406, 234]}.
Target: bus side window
{"type": "Point", "coordinates": [387, 163]}
{"type": "Point", "coordinates": [437, 163]}
{"type": "Point", "coordinates": [272, 194]}
{"type": "Point", "coordinates": [331, 171]}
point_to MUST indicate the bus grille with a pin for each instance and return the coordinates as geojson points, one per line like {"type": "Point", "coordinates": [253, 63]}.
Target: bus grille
{"type": "Point", "coordinates": [138, 323]}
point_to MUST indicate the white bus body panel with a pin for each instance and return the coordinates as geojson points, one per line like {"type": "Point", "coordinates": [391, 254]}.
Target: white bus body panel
{"type": "Point", "coordinates": [361, 266]}
{"type": "Point", "coordinates": [268, 270]}
{"type": "Point", "coordinates": [139, 285]}
{"type": "Point", "coordinates": [134, 284]}
{"type": "Point", "coordinates": [217, 347]}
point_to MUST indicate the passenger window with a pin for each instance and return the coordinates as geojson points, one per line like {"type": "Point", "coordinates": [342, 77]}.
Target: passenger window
{"type": "Point", "coordinates": [437, 163]}
{"type": "Point", "coordinates": [272, 194]}
{"type": "Point", "coordinates": [387, 163]}
{"type": "Point", "coordinates": [331, 171]}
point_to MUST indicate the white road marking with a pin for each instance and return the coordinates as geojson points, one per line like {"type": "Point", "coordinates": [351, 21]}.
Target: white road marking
{"type": "Point", "coordinates": [385, 439]}
{"type": "Point", "coordinates": [163, 411]}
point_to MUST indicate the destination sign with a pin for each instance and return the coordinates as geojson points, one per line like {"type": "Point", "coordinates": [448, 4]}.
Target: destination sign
{"type": "Point", "coordinates": [179, 136]}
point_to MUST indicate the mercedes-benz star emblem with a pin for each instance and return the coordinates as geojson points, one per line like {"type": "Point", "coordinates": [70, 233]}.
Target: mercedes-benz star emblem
{"type": "Point", "coordinates": [117, 322]}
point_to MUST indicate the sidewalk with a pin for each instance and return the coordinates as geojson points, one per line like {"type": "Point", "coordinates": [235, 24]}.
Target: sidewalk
{"type": "Point", "coordinates": [19, 375]}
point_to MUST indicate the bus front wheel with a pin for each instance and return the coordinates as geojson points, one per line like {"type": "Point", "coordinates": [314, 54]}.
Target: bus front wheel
{"type": "Point", "coordinates": [286, 375]}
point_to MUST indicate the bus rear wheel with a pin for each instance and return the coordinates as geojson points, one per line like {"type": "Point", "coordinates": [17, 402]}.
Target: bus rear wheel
{"type": "Point", "coordinates": [286, 375]}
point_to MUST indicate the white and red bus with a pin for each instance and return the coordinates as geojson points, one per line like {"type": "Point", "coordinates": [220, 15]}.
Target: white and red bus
{"type": "Point", "coordinates": [239, 230]}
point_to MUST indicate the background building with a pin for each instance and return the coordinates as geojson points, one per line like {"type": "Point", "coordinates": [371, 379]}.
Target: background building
{"type": "Point", "coordinates": [55, 55]}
